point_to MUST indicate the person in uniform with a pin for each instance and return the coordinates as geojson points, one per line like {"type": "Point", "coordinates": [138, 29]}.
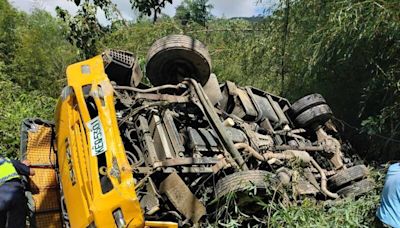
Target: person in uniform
{"type": "Point", "coordinates": [389, 209]}
{"type": "Point", "coordinates": [13, 205]}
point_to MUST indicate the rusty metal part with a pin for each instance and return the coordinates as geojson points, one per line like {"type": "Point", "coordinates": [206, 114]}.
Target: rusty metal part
{"type": "Point", "coordinates": [202, 140]}
{"type": "Point", "coordinates": [324, 188]}
{"type": "Point", "coordinates": [236, 134]}
{"type": "Point", "coordinates": [307, 186]}
{"type": "Point", "coordinates": [331, 146]}
{"type": "Point", "coordinates": [306, 148]}
{"type": "Point", "coordinates": [150, 200]}
{"type": "Point", "coordinates": [146, 141]}
{"type": "Point", "coordinates": [162, 142]}
{"type": "Point", "coordinates": [278, 111]}
{"type": "Point", "coordinates": [182, 198]}
{"type": "Point", "coordinates": [311, 177]}
{"type": "Point", "coordinates": [243, 106]}
{"type": "Point", "coordinates": [114, 171]}
{"type": "Point", "coordinates": [303, 187]}
{"type": "Point", "coordinates": [285, 155]}
{"type": "Point", "coordinates": [135, 159]}
{"type": "Point", "coordinates": [149, 90]}
{"type": "Point", "coordinates": [137, 110]}
{"type": "Point", "coordinates": [211, 88]}
{"type": "Point", "coordinates": [162, 97]}
{"type": "Point", "coordinates": [221, 164]}
{"type": "Point", "coordinates": [170, 127]}
{"type": "Point", "coordinates": [186, 161]}
{"type": "Point", "coordinates": [189, 169]}
{"type": "Point", "coordinates": [253, 136]}
{"type": "Point", "coordinates": [217, 126]}
{"type": "Point", "coordinates": [302, 155]}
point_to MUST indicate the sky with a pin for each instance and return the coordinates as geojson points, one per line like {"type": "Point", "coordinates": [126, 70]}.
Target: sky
{"type": "Point", "coordinates": [222, 8]}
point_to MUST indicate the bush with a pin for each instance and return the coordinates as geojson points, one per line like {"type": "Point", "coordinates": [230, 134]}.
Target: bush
{"type": "Point", "coordinates": [16, 105]}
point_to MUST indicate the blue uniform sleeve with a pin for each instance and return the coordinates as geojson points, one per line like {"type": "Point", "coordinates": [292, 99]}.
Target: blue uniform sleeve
{"type": "Point", "coordinates": [388, 211]}
{"type": "Point", "coordinates": [21, 168]}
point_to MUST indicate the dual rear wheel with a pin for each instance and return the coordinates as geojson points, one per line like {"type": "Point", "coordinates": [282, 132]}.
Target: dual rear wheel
{"type": "Point", "coordinates": [310, 111]}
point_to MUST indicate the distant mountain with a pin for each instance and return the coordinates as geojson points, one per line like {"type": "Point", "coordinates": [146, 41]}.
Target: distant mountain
{"type": "Point", "coordinates": [251, 19]}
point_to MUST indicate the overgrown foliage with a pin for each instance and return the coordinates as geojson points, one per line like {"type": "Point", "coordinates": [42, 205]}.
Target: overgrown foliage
{"type": "Point", "coordinates": [33, 56]}
{"type": "Point", "coordinates": [345, 50]}
{"type": "Point", "coordinates": [269, 209]}
{"type": "Point", "coordinates": [41, 55]}
{"type": "Point", "coordinates": [16, 105]}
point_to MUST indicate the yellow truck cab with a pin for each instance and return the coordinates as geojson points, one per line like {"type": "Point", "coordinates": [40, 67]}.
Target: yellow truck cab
{"type": "Point", "coordinates": [97, 186]}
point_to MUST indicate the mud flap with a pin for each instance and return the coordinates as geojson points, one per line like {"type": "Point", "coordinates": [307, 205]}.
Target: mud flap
{"type": "Point", "coordinates": [182, 198]}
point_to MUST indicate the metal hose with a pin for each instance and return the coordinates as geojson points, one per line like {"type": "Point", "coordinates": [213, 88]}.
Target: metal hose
{"type": "Point", "coordinates": [324, 188]}
{"type": "Point", "coordinates": [287, 156]}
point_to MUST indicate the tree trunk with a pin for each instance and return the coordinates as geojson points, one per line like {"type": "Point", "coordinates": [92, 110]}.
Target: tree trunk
{"type": "Point", "coordinates": [155, 15]}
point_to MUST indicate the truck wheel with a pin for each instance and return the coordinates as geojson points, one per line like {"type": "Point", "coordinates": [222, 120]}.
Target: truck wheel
{"type": "Point", "coordinates": [346, 176]}
{"type": "Point", "coordinates": [241, 181]}
{"type": "Point", "coordinates": [305, 103]}
{"type": "Point", "coordinates": [175, 57]}
{"type": "Point", "coordinates": [314, 116]}
{"type": "Point", "coordinates": [356, 189]}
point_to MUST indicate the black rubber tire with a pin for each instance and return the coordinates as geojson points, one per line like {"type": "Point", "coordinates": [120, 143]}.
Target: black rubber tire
{"type": "Point", "coordinates": [304, 103]}
{"type": "Point", "coordinates": [313, 116]}
{"type": "Point", "coordinates": [175, 57]}
{"type": "Point", "coordinates": [348, 175]}
{"type": "Point", "coordinates": [240, 181]}
{"type": "Point", "coordinates": [356, 189]}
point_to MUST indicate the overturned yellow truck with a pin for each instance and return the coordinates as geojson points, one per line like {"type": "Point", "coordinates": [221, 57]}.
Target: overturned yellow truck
{"type": "Point", "coordinates": [127, 154]}
{"type": "Point", "coordinates": [98, 188]}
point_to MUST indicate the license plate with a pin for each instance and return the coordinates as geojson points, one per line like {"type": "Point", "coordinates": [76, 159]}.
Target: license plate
{"type": "Point", "coordinates": [97, 137]}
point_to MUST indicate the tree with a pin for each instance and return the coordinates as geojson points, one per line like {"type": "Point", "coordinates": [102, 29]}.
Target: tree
{"type": "Point", "coordinates": [8, 20]}
{"type": "Point", "coordinates": [182, 14]}
{"type": "Point", "coordinates": [149, 7]}
{"type": "Point", "coordinates": [84, 29]}
{"type": "Point", "coordinates": [194, 10]}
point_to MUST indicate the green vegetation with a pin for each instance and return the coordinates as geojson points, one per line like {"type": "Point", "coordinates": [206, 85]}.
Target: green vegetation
{"type": "Point", "coordinates": [303, 212]}
{"type": "Point", "coordinates": [346, 50]}
{"type": "Point", "coordinates": [34, 53]}
{"type": "Point", "coordinates": [150, 7]}
{"type": "Point", "coordinates": [194, 11]}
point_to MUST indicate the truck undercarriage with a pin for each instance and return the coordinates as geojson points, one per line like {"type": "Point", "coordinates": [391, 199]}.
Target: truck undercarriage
{"type": "Point", "coordinates": [192, 142]}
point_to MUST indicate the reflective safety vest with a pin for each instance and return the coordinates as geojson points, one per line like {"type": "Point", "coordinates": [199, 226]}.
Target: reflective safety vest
{"type": "Point", "coordinates": [7, 171]}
